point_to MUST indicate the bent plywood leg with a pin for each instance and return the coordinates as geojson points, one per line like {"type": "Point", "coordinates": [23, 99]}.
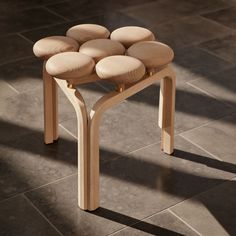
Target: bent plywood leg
{"type": "Point", "coordinates": [93, 171]}
{"type": "Point", "coordinates": [166, 113]}
{"type": "Point", "coordinates": [99, 108]}
{"type": "Point", "coordinates": [50, 108]}
{"type": "Point", "coordinates": [78, 103]}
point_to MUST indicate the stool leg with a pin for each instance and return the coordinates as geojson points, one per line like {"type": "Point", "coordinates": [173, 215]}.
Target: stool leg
{"type": "Point", "coordinates": [166, 113]}
{"type": "Point", "coordinates": [50, 108]}
{"type": "Point", "coordinates": [93, 171]}
{"type": "Point", "coordinates": [79, 105]}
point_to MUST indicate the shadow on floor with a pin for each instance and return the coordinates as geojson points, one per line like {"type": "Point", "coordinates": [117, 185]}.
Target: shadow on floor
{"type": "Point", "coordinates": [134, 169]}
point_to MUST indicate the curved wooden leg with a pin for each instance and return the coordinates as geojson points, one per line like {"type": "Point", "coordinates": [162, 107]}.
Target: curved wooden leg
{"type": "Point", "coordinates": [166, 122]}
{"type": "Point", "coordinates": [94, 167]}
{"type": "Point", "coordinates": [166, 113]}
{"type": "Point", "coordinates": [50, 108]}
{"type": "Point", "coordinates": [79, 105]}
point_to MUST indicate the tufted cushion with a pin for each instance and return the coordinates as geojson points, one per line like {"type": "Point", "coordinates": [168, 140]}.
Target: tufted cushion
{"type": "Point", "coordinates": [152, 54]}
{"type": "Point", "coordinates": [131, 34]}
{"type": "Point", "coordinates": [47, 47]}
{"type": "Point", "coordinates": [100, 48]}
{"type": "Point", "coordinates": [70, 65]}
{"type": "Point", "coordinates": [120, 69]}
{"type": "Point", "coordinates": [85, 32]}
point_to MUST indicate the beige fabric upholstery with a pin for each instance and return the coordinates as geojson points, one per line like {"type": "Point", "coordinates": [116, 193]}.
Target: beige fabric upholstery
{"type": "Point", "coordinates": [131, 34]}
{"type": "Point", "coordinates": [85, 32]}
{"type": "Point", "coordinates": [100, 48]}
{"type": "Point", "coordinates": [152, 54]}
{"type": "Point", "coordinates": [47, 47]}
{"type": "Point", "coordinates": [120, 69]}
{"type": "Point", "coordinates": [70, 65]}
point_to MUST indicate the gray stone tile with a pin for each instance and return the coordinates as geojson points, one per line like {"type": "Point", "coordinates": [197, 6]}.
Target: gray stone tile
{"type": "Point", "coordinates": [194, 108]}
{"type": "Point", "coordinates": [110, 20]}
{"type": "Point", "coordinates": [163, 223]}
{"type": "Point", "coordinates": [18, 217]}
{"type": "Point", "coordinates": [83, 9]}
{"type": "Point", "coordinates": [19, 115]}
{"type": "Point", "coordinates": [146, 174]}
{"type": "Point", "coordinates": [213, 212]}
{"type": "Point", "coordinates": [24, 75]}
{"type": "Point", "coordinates": [121, 127]}
{"type": "Point", "coordinates": [222, 47]}
{"type": "Point", "coordinates": [221, 85]}
{"type": "Point", "coordinates": [26, 162]}
{"type": "Point", "coordinates": [15, 5]}
{"type": "Point", "coordinates": [133, 124]}
{"type": "Point", "coordinates": [217, 137]}
{"type": "Point", "coordinates": [6, 90]}
{"type": "Point", "coordinates": [24, 112]}
{"type": "Point", "coordinates": [16, 21]}
{"type": "Point", "coordinates": [225, 17]}
{"type": "Point", "coordinates": [59, 204]}
{"type": "Point", "coordinates": [189, 31]}
{"type": "Point", "coordinates": [14, 47]}
{"type": "Point", "coordinates": [163, 11]}
{"type": "Point", "coordinates": [199, 62]}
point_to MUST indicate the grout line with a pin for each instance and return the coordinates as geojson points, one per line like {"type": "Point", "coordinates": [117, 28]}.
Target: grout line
{"type": "Point", "coordinates": [216, 22]}
{"type": "Point", "coordinates": [42, 215]}
{"type": "Point", "coordinates": [225, 181]}
{"type": "Point", "coordinates": [207, 123]}
{"type": "Point", "coordinates": [68, 131]}
{"type": "Point", "coordinates": [209, 94]}
{"type": "Point", "coordinates": [55, 3]}
{"type": "Point", "coordinates": [55, 13]}
{"type": "Point", "coordinates": [16, 60]}
{"type": "Point", "coordinates": [103, 87]}
{"type": "Point", "coordinates": [25, 38]}
{"type": "Point", "coordinates": [186, 223]}
{"type": "Point", "coordinates": [175, 204]}
{"type": "Point", "coordinates": [138, 221]}
{"type": "Point", "coordinates": [41, 186]}
{"type": "Point", "coordinates": [9, 85]}
{"type": "Point", "coordinates": [203, 149]}
{"type": "Point", "coordinates": [53, 182]}
{"type": "Point", "coordinates": [215, 55]}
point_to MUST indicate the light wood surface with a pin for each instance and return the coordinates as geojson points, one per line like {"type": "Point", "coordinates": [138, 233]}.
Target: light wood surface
{"type": "Point", "coordinates": [79, 105]}
{"type": "Point", "coordinates": [113, 98]}
{"type": "Point", "coordinates": [88, 126]}
{"type": "Point", "coordinates": [50, 108]}
{"type": "Point", "coordinates": [166, 112]}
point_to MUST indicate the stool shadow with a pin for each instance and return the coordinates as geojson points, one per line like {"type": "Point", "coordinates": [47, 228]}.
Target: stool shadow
{"type": "Point", "coordinates": [129, 221]}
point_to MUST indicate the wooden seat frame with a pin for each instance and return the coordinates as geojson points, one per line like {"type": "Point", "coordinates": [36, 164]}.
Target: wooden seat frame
{"type": "Point", "coordinates": [88, 124]}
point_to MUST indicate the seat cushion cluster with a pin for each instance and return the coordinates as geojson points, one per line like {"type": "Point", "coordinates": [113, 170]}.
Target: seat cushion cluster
{"type": "Point", "coordinates": [123, 56]}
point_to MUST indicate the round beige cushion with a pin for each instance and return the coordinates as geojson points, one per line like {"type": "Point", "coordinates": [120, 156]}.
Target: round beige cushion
{"type": "Point", "coordinates": [131, 34]}
{"type": "Point", "coordinates": [70, 65]}
{"type": "Point", "coordinates": [120, 69]}
{"type": "Point", "coordinates": [47, 47]}
{"type": "Point", "coordinates": [100, 48]}
{"type": "Point", "coordinates": [152, 54]}
{"type": "Point", "coordinates": [85, 32]}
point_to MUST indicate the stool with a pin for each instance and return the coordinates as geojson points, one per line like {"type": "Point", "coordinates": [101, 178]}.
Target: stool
{"type": "Point", "coordinates": [145, 62]}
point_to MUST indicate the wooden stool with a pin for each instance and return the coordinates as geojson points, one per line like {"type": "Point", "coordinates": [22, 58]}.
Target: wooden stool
{"type": "Point", "coordinates": [145, 63]}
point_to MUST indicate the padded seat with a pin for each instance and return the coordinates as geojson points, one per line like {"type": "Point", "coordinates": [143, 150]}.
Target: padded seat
{"type": "Point", "coordinates": [100, 48]}
{"type": "Point", "coordinates": [85, 32]}
{"type": "Point", "coordinates": [131, 34]}
{"type": "Point", "coordinates": [153, 54]}
{"type": "Point", "coordinates": [70, 65]}
{"type": "Point", "coordinates": [49, 46]}
{"type": "Point", "coordinates": [120, 69]}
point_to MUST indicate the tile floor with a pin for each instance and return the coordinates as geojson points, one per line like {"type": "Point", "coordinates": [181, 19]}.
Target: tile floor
{"type": "Point", "coordinates": [143, 191]}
